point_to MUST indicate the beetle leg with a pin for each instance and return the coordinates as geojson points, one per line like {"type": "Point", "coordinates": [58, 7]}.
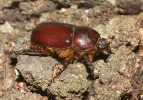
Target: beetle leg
{"type": "Point", "coordinates": [58, 69]}
{"type": "Point", "coordinates": [33, 51]}
{"type": "Point", "coordinates": [90, 67]}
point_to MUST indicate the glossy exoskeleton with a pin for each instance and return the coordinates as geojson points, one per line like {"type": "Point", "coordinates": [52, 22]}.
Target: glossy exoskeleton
{"type": "Point", "coordinates": [66, 41]}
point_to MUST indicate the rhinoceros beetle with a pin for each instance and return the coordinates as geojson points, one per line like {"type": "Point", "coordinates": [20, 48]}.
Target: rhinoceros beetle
{"type": "Point", "coordinates": [67, 41]}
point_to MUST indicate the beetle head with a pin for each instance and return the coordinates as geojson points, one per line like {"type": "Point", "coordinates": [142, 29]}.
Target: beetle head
{"type": "Point", "coordinates": [103, 43]}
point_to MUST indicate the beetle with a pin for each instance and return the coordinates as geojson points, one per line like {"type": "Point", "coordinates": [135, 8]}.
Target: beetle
{"type": "Point", "coordinates": [67, 41]}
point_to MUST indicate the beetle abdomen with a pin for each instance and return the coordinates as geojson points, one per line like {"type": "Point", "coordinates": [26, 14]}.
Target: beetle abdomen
{"type": "Point", "coordinates": [53, 35]}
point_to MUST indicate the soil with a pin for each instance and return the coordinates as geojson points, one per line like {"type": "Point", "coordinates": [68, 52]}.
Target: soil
{"type": "Point", "coordinates": [27, 77]}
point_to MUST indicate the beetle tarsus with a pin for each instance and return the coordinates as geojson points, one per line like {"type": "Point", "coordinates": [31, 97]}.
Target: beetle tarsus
{"type": "Point", "coordinates": [23, 51]}
{"type": "Point", "coordinates": [19, 52]}
{"type": "Point", "coordinates": [32, 52]}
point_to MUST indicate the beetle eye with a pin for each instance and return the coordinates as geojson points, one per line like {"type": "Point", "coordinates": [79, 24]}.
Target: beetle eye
{"type": "Point", "coordinates": [102, 43]}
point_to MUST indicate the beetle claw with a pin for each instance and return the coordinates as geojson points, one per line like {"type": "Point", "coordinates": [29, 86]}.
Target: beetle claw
{"type": "Point", "coordinates": [21, 51]}
{"type": "Point", "coordinates": [93, 77]}
{"type": "Point", "coordinates": [18, 52]}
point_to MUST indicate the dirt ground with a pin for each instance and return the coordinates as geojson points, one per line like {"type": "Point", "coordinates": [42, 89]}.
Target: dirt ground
{"type": "Point", "coordinates": [27, 77]}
